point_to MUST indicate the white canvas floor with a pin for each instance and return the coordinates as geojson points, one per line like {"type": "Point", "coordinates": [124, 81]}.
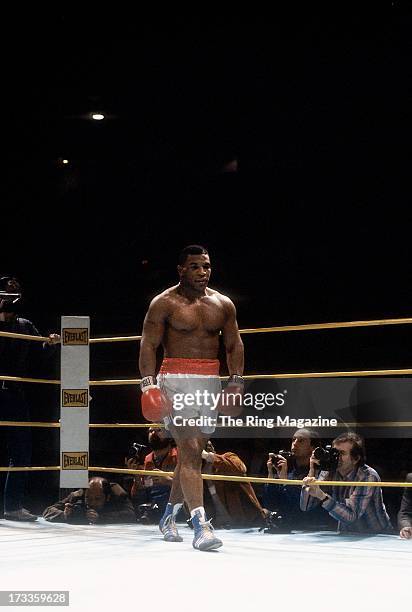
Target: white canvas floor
{"type": "Point", "coordinates": [130, 567]}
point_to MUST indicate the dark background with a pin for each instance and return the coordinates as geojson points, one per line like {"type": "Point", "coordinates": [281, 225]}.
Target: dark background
{"type": "Point", "coordinates": [312, 224]}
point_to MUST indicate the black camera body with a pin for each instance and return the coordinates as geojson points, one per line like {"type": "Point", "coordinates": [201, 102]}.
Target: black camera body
{"type": "Point", "coordinates": [282, 453]}
{"type": "Point", "coordinates": [137, 451]}
{"type": "Point", "coordinates": [328, 457]}
{"type": "Point", "coordinates": [276, 523]}
{"type": "Point", "coordinates": [148, 514]}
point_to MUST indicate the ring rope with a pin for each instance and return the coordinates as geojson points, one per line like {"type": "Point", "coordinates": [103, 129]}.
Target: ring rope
{"type": "Point", "coordinates": [339, 374]}
{"type": "Point", "coordinates": [27, 424]}
{"type": "Point", "coordinates": [42, 381]}
{"type": "Point", "coordinates": [47, 468]}
{"type": "Point", "coordinates": [256, 330]}
{"type": "Point", "coordinates": [137, 381]}
{"type": "Point", "coordinates": [257, 480]}
{"type": "Point", "coordinates": [305, 327]}
{"type": "Point", "coordinates": [24, 336]}
{"type": "Point", "coordinates": [338, 325]}
{"type": "Point", "coordinates": [254, 479]}
{"type": "Point", "coordinates": [160, 425]}
{"type": "Point", "coordinates": [284, 328]}
{"type": "Point", "coordinates": [115, 339]}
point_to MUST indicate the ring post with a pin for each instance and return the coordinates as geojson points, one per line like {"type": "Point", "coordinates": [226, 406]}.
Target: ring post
{"type": "Point", "coordinates": [74, 402]}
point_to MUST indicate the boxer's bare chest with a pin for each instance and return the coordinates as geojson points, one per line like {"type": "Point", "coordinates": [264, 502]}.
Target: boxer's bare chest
{"type": "Point", "coordinates": [206, 315]}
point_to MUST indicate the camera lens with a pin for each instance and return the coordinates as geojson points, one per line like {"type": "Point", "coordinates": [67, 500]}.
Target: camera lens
{"type": "Point", "coordinates": [328, 457]}
{"type": "Point", "coordinates": [321, 454]}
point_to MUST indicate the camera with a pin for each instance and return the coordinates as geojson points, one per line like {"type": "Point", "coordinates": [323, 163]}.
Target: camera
{"type": "Point", "coordinates": [275, 523]}
{"type": "Point", "coordinates": [148, 514]}
{"type": "Point", "coordinates": [137, 451]}
{"type": "Point", "coordinates": [282, 453]}
{"type": "Point", "coordinates": [328, 457]}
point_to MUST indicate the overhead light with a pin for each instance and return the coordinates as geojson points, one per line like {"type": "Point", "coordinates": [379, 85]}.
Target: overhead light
{"type": "Point", "coordinates": [65, 161]}
{"type": "Point", "coordinates": [97, 116]}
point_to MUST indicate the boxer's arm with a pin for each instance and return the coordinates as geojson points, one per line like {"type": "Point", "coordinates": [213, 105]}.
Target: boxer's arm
{"type": "Point", "coordinates": [153, 330]}
{"type": "Point", "coordinates": [232, 341]}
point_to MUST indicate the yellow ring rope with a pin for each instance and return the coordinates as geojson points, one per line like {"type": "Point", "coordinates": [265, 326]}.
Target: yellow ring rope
{"type": "Point", "coordinates": [47, 468]}
{"type": "Point", "coordinates": [24, 336]}
{"type": "Point", "coordinates": [160, 425]}
{"type": "Point", "coordinates": [254, 479]}
{"type": "Point", "coordinates": [338, 325]}
{"type": "Point", "coordinates": [306, 327]}
{"type": "Point", "coordinates": [257, 330]}
{"type": "Point", "coordinates": [115, 339]}
{"type": "Point", "coordinates": [136, 381]}
{"type": "Point", "coordinates": [283, 328]}
{"type": "Point", "coordinates": [42, 381]}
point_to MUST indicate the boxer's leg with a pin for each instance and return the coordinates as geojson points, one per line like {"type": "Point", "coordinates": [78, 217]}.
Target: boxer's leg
{"type": "Point", "coordinates": [190, 456]}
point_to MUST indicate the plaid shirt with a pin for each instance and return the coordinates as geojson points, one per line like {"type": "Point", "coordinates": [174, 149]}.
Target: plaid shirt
{"type": "Point", "coordinates": [358, 509]}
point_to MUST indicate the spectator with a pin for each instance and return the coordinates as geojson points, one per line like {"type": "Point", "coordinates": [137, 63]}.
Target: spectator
{"type": "Point", "coordinates": [285, 499]}
{"type": "Point", "coordinates": [405, 512]}
{"type": "Point", "coordinates": [235, 504]}
{"type": "Point", "coordinates": [150, 494]}
{"type": "Point", "coordinates": [357, 509]}
{"type": "Point", "coordinates": [102, 502]}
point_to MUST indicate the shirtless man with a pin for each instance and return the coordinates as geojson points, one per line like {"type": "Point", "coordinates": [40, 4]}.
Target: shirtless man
{"type": "Point", "coordinates": [187, 319]}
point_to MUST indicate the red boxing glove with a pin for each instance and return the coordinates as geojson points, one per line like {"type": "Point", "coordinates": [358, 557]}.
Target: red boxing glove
{"type": "Point", "coordinates": [231, 402]}
{"type": "Point", "coordinates": [155, 403]}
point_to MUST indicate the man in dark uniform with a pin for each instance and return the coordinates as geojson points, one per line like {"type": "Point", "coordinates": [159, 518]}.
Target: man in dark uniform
{"type": "Point", "coordinates": [14, 357]}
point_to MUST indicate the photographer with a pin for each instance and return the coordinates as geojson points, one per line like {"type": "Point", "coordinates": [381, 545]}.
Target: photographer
{"type": "Point", "coordinates": [293, 465]}
{"type": "Point", "coordinates": [357, 509]}
{"type": "Point", "coordinates": [405, 512]}
{"type": "Point", "coordinates": [150, 494]}
{"type": "Point", "coordinates": [233, 504]}
{"type": "Point", "coordinates": [102, 502]}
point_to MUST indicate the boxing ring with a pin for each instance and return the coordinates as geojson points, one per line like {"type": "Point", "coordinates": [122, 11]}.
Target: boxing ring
{"type": "Point", "coordinates": [104, 566]}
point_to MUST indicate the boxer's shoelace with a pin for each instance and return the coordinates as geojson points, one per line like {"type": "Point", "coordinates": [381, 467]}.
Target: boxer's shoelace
{"type": "Point", "coordinates": [205, 538]}
{"type": "Point", "coordinates": [169, 529]}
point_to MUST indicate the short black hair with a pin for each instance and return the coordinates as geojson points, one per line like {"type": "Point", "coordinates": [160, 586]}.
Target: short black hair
{"type": "Point", "coordinates": [192, 249]}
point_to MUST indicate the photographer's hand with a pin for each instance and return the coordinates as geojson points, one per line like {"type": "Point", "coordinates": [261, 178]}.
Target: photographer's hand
{"type": "Point", "coordinates": [92, 516]}
{"type": "Point", "coordinates": [313, 489]}
{"type": "Point", "coordinates": [281, 467]}
{"type": "Point", "coordinates": [207, 456]}
{"type": "Point", "coordinates": [313, 465]}
{"type": "Point", "coordinates": [132, 464]}
{"type": "Point", "coordinates": [68, 510]}
{"type": "Point", "coordinates": [161, 480]}
{"type": "Point", "coordinates": [406, 533]}
{"type": "Point", "coordinates": [270, 465]}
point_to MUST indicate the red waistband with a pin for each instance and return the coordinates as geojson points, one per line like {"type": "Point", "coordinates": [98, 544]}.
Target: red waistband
{"type": "Point", "coordinates": [203, 367]}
